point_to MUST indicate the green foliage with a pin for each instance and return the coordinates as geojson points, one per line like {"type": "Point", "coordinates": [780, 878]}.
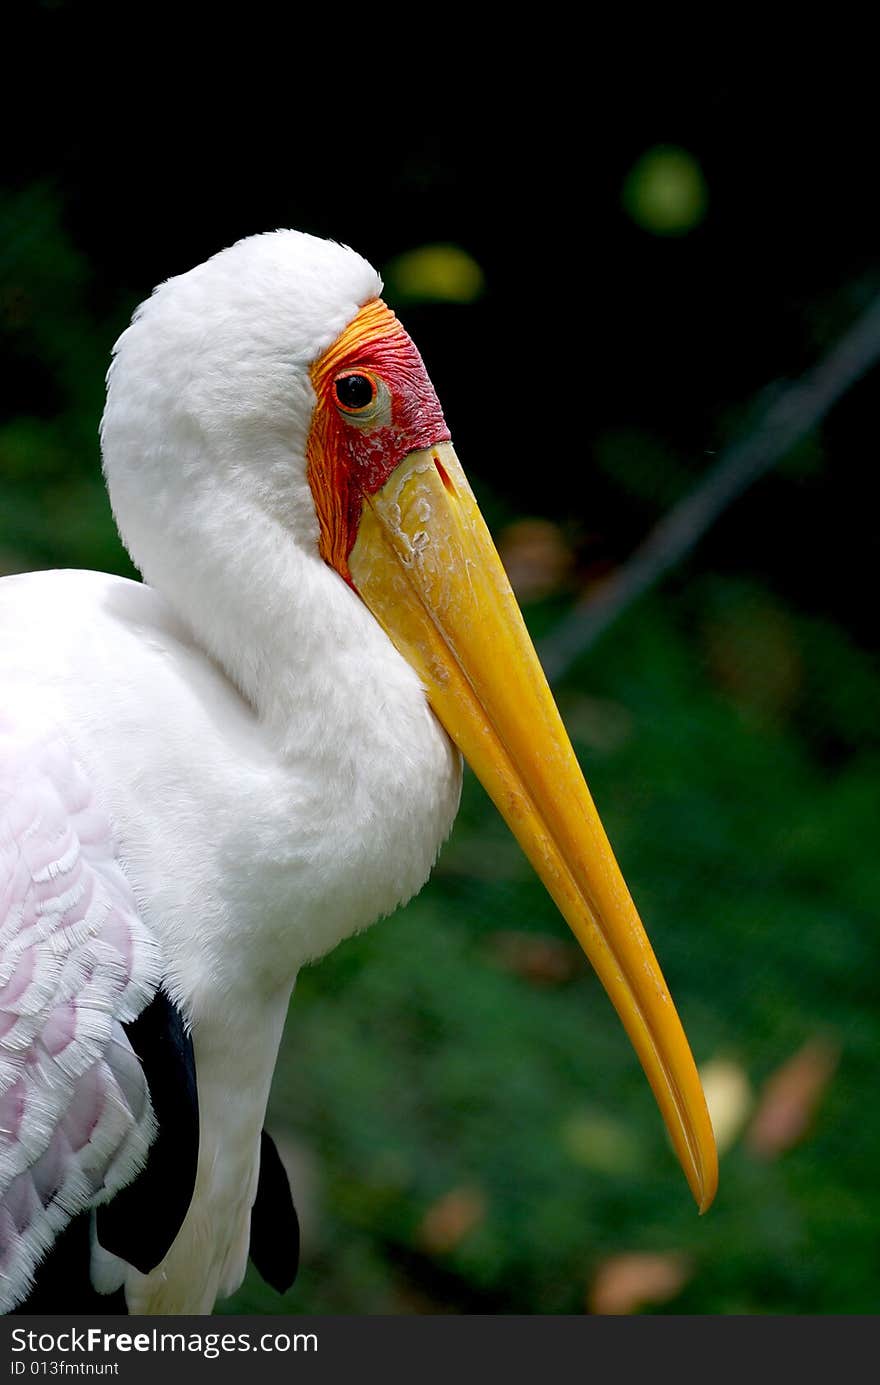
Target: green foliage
{"type": "Point", "coordinates": [55, 352]}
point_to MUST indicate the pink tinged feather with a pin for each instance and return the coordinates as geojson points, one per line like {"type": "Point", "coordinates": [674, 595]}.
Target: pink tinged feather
{"type": "Point", "coordinates": [19, 980]}
{"type": "Point", "coordinates": [75, 960]}
{"type": "Point", "coordinates": [22, 1201]}
{"type": "Point", "coordinates": [12, 1107]}
{"type": "Point", "coordinates": [83, 1115]}
{"type": "Point", "coordinates": [60, 1028]}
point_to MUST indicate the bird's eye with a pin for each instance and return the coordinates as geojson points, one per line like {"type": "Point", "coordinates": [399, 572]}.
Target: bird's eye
{"type": "Point", "coordinates": [355, 391]}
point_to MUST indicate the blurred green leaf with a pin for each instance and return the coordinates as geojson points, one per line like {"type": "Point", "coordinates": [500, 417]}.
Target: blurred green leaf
{"type": "Point", "coordinates": [665, 191]}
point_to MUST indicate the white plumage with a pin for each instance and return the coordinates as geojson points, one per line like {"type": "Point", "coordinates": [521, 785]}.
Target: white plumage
{"type": "Point", "coordinates": [261, 809]}
{"type": "Point", "coordinates": [211, 778]}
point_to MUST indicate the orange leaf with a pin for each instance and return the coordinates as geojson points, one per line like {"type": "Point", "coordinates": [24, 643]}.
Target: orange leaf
{"type": "Point", "coordinates": [544, 961]}
{"type": "Point", "coordinates": [536, 557]}
{"type": "Point", "coordinates": [447, 1222]}
{"type": "Point", "coordinates": [790, 1097]}
{"type": "Point", "coordinates": [753, 652]}
{"type": "Point", "coordinates": [626, 1283]}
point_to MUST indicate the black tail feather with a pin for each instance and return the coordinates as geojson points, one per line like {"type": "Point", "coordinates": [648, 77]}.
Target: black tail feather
{"type": "Point", "coordinates": [274, 1223]}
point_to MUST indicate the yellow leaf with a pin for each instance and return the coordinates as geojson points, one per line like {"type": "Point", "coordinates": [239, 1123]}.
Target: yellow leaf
{"type": "Point", "coordinates": [434, 274]}
{"type": "Point", "coordinates": [600, 1143]}
{"type": "Point", "coordinates": [729, 1098]}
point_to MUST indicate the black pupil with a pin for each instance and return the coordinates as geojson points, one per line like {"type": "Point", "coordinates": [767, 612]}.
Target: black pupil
{"type": "Point", "coordinates": [354, 391]}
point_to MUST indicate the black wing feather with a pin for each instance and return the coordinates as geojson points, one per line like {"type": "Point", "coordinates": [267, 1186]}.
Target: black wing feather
{"type": "Point", "coordinates": [141, 1222]}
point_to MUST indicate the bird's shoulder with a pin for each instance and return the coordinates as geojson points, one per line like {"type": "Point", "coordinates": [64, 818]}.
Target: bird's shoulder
{"type": "Point", "coordinates": [60, 611]}
{"type": "Point", "coordinates": [99, 654]}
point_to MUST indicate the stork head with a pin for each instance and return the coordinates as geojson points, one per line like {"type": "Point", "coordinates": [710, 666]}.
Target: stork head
{"type": "Point", "coordinates": [276, 388]}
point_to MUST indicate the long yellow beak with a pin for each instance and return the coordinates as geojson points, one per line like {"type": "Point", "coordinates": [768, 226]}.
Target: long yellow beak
{"type": "Point", "coordinates": [426, 566]}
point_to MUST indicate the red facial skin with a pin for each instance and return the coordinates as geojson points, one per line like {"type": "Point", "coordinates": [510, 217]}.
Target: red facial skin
{"type": "Point", "coordinates": [353, 454]}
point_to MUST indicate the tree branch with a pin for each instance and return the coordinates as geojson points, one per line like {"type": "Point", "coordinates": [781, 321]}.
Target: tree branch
{"type": "Point", "coordinates": [787, 419]}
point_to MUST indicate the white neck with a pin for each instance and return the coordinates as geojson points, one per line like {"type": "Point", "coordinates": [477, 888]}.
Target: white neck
{"type": "Point", "coordinates": [283, 626]}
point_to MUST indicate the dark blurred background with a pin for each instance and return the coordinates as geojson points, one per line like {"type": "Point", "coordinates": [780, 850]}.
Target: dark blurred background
{"type": "Point", "coordinates": [610, 277]}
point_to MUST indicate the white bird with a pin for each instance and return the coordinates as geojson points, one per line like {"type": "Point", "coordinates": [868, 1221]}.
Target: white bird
{"type": "Point", "coordinates": [210, 778]}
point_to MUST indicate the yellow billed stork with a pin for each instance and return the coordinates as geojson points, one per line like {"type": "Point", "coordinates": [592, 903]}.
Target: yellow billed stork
{"type": "Point", "coordinates": [212, 777]}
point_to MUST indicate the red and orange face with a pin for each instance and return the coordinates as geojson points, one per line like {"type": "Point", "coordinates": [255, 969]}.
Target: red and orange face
{"type": "Point", "coordinates": [375, 405]}
{"type": "Point", "coordinates": [399, 522]}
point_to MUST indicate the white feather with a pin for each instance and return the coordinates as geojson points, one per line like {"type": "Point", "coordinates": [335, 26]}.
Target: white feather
{"type": "Point", "coordinates": [273, 775]}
